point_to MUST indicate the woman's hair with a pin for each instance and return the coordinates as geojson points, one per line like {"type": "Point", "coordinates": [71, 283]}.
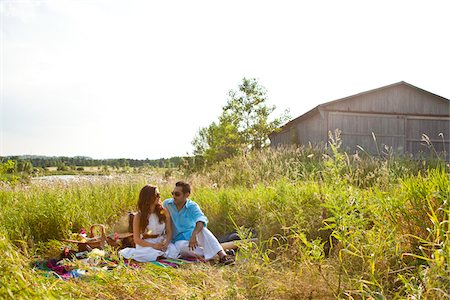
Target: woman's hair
{"type": "Point", "coordinates": [147, 197]}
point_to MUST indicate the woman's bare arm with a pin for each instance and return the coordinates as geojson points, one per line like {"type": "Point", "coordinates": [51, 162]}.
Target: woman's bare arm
{"type": "Point", "coordinates": [137, 233]}
{"type": "Point", "coordinates": [169, 231]}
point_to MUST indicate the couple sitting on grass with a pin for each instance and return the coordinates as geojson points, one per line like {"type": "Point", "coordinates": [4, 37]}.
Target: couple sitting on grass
{"type": "Point", "coordinates": [175, 229]}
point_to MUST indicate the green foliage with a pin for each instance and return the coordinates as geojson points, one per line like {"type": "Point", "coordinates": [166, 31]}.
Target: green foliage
{"type": "Point", "coordinates": [56, 161]}
{"type": "Point", "coordinates": [8, 167]}
{"type": "Point", "coordinates": [248, 111]}
{"type": "Point", "coordinates": [13, 172]}
{"type": "Point", "coordinates": [218, 141]}
{"type": "Point", "coordinates": [243, 125]}
{"type": "Point", "coordinates": [309, 162]}
{"type": "Point", "coordinates": [62, 167]}
{"type": "Point", "coordinates": [24, 166]}
{"type": "Point", "coordinates": [330, 225]}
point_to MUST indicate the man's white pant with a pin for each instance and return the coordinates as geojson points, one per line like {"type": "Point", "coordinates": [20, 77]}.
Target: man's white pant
{"type": "Point", "coordinates": [208, 245]}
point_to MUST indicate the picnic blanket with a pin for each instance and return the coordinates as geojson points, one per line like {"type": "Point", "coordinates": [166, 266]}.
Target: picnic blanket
{"type": "Point", "coordinates": [99, 260]}
{"type": "Point", "coordinates": [52, 267]}
{"type": "Point", "coordinates": [175, 262]}
{"type": "Point", "coordinates": [62, 268]}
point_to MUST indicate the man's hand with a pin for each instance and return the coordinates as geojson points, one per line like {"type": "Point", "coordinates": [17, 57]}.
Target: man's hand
{"type": "Point", "coordinates": [193, 242]}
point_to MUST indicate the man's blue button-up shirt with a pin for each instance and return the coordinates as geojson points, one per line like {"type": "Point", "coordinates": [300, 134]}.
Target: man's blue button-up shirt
{"type": "Point", "coordinates": [183, 221]}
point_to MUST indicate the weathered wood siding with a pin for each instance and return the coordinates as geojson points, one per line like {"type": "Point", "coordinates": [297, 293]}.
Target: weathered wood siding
{"type": "Point", "coordinates": [436, 129]}
{"type": "Point", "coordinates": [369, 131]}
{"type": "Point", "coordinates": [312, 130]}
{"type": "Point", "coordinates": [281, 138]}
{"type": "Point", "coordinates": [396, 117]}
{"type": "Point", "coordinates": [397, 99]}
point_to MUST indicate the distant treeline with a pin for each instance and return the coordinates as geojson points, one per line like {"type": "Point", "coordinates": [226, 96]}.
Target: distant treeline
{"type": "Point", "coordinates": [82, 161]}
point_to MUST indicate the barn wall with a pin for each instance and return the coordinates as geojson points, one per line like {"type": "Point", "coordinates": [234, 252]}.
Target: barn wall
{"type": "Point", "coordinates": [369, 131]}
{"type": "Point", "coordinates": [312, 130]}
{"type": "Point", "coordinates": [281, 138]}
{"type": "Point", "coordinates": [394, 116]}
{"type": "Point", "coordinates": [436, 129]}
{"type": "Point", "coordinates": [395, 99]}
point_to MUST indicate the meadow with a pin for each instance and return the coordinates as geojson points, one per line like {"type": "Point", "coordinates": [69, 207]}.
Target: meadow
{"type": "Point", "coordinates": [330, 225]}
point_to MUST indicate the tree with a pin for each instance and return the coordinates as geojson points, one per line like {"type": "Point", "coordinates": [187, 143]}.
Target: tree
{"type": "Point", "coordinates": [24, 166]}
{"type": "Point", "coordinates": [61, 166]}
{"type": "Point", "coordinates": [8, 167]}
{"type": "Point", "coordinates": [244, 124]}
{"type": "Point", "coordinates": [247, 108]}
{"type": "Point", "coordinates": [218, 141]}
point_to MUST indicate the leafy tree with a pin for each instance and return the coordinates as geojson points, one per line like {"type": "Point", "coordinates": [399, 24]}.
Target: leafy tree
{"type": "Point", "coordinates": [8, 167]}
{"type": "Point", "coordinates": [244, 124]}
{"type": "Point", "coordinates": [24, 166]}
{"type": "Point", "coordinates": [247, 108]}
{"type": "Point", "coordinates": [61, 166]}
{"type": "Point", "coordinates": [218, 141]}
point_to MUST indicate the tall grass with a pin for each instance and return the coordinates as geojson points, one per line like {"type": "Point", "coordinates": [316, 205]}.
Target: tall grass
{"type": "Point", "coordinates": [307, 163]}
{"type": "Point", "coordinates": [331, 225]}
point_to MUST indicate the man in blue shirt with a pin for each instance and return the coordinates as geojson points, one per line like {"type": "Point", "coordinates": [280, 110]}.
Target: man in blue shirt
{"type": "Point", "coordinates": [190, 235]}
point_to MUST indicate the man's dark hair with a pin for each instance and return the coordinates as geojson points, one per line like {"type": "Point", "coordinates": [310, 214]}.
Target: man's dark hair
{"type": "Point", "coordinates": [185, 187]}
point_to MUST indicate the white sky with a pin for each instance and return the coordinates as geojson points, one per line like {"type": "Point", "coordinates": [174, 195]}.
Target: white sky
{"type": "Point", "coordinates": [137, 79]}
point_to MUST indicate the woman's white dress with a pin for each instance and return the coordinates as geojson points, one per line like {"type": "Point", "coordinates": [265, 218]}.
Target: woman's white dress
{"type": "Point", "coordinates": [145, 254]}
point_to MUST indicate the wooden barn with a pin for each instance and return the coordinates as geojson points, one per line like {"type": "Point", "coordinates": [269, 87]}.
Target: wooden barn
{"type": "Point", "coordinates": [397, 114]}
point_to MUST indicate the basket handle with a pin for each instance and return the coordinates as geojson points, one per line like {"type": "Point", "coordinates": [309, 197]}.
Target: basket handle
{"type": "Point", "coordinates": [98, 225]}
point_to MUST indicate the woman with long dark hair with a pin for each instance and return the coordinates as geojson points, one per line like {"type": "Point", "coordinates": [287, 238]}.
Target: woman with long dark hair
{"type": "Point", "coordinates": [152, 229]}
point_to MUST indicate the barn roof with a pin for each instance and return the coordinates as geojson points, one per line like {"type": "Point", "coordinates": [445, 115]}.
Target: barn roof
{"type": "Point", "coordinates": [326, 104]}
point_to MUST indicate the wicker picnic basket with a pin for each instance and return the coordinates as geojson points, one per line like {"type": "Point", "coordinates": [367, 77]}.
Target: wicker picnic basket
{"type": "Point", "coordinates": [91, 241]}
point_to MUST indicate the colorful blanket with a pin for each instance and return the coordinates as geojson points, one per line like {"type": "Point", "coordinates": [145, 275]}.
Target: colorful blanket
{"type": "Point", "coordinates": [175, 263]}
{"type": "Point", "coordinates": [52, 267]}
{"type": "Point", "coordinates": [59, 269]}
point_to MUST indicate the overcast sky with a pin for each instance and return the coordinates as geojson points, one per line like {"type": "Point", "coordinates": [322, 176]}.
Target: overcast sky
{"type": "Point", "coordinates": [137, 79]}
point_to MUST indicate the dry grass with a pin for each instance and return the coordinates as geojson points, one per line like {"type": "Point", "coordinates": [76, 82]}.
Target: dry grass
{"type": "Point", "coordinates": [329, 228]}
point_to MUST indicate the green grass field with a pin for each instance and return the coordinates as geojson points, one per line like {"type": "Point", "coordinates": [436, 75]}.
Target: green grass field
{"type": "Point", "coordinates": [330, 226]}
